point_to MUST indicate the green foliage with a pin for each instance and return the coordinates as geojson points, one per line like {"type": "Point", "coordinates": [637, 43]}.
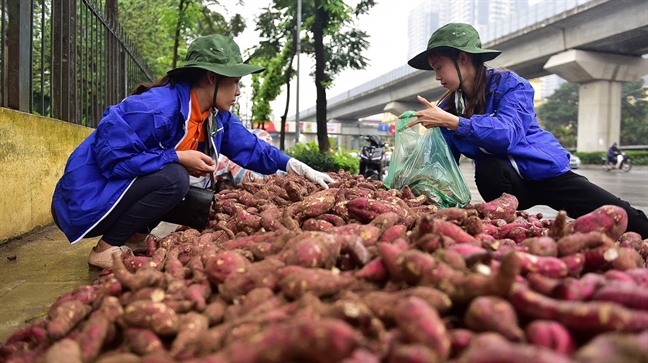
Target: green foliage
{"type": "Point", "coordinates": [638, 157]}
{"type": "Point", "coordinates": [309, 154]}
{"type": "Point", "coordinates": [343, 47]}
{"type": "Point", "coordinates": [560, 113]}
{"type": "Point", "coordinates": [634, 113]}
{"type": "Point", "coordinates": [153, 23]}
{"type": "Point", "coordinates": [591, 158]}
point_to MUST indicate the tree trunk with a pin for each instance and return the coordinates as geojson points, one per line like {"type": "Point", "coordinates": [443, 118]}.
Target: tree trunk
{"type": "Point", "coordinates": [176, 41]}
{"type": "Point", "coordinates": [320, 105]}
{"type": "Point", "coordinates": [289, 70]}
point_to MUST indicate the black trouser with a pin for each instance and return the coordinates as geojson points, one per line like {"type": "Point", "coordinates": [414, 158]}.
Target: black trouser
{"type": "Point", "coordinates": [570, 192]}
{"type": "Point", "coordinates": [143, 205]}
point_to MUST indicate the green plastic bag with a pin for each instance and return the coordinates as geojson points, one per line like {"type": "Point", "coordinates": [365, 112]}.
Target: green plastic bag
{"type": "Point", "coordinates": [426, 165]}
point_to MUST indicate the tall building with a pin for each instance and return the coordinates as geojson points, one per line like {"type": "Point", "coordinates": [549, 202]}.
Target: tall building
{"type": "Point", "coordinates": [422, 21]}
{"type": "Point", "coordinates": [549, 84]}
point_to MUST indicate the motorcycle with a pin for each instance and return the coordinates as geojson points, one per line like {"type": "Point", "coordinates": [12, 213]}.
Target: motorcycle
{"type": "Point", "coordinates": [372, 158]}
{"type": "Point", "coordinates": [623, 163]}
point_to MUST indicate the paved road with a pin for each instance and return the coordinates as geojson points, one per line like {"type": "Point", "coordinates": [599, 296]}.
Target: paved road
{"type": "Point", "coordinates": [631, 186]}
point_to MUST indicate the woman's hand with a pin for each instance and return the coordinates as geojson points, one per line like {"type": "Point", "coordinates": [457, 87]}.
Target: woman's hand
{"type": "Point", "coordinates": [434, 116]}
{"type": "Point", "coordinates": [196, 162]}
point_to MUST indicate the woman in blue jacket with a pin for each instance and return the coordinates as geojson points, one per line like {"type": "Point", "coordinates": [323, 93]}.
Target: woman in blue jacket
{"type": "Point", "coordinates": [488, 115]}
{"type": "Point", "coordinates": [148, 149]}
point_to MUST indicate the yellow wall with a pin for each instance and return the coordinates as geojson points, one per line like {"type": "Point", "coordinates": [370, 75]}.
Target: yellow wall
{"type": "Point", "coordinates": [33, 152]}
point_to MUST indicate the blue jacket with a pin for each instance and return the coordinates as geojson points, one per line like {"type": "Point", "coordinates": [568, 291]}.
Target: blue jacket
{"type": "Point", "coordinates": [509, 131]}
{"type": "Point", "coordinates": [137, 137]}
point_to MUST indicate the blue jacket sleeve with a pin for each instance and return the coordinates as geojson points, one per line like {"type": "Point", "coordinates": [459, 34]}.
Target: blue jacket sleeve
{"type": "Point", "coordinates": [247, 150]}
{"type": "Point", "coordinates": [500, 131]}
{"type": "Point", "coordinates": [133, 140]}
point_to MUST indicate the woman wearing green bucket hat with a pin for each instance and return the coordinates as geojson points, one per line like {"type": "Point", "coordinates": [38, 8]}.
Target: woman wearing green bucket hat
{"type": "Point", "coordinates": [147, 151]}
{"type": "Point", "coordinates": [488, 116]}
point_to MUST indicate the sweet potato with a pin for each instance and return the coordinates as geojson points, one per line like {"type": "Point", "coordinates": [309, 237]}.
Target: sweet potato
{"type": "Point", "coordinates": [412, 353]}
{"type": "Point", "coordinates": [353, 246]}
{"type": "Point", "coordinates": [142, 341]}
{"type": "Point", "coordinates": [430, 242]}
{"type": "Point", "coordinates": [473, 225]}
{"type": "Point", "coordinates": [552, 335]}
{"type": "Point", "coordinates": [258, 274]}
{"type": "Point", "coordinates": [581, 241]}
{"type": "Point", "coordinates": [493, 348]}
{"type": "Point", "coordinates": [190, 327]}
{"type": "Point", "coordinates": [491, 313]}
{"type": "Point", "coordinates": [559, 226]}
{"type": "Point", "coordinates": [421, 324]}
{"type": "Point", "coordinates": [624, 293]}
{"type": "Point", "coordinates": [155, 316]}
{"type": "Point", "coordinates": [575, 264]}
{"type": "Point", "coordinates": [298, 280]}
{"type": "Point", "coordinates": [541, 283]}
{"type": "Point", "coordinates": [503, 207]}
{"type": "Point", "coordinates": [384, 221]}
{"type": "Point", "coordinates": [375, 270]}
{"type": "Point", "coordinates": [628, 259]}
{"type": "Point", "coordinates": [541, 246]}
{"type": "Point", "coordinates": [322, 341]}
{"type": "Point", "coordinates": [318, 203]}
{"type": "Point", "coordinates": [461, 286]}
{"type": "Point", "coordinates": [583, 317]}
{"type": "Point", "coordinates": [453, 231]}
{"type": "Point", "coordinates": [313, 224]}
{"type": "Point", "coordinates": [311, 249]}
{"type": "Point", "coordinates": [609, 219]}
{"type": "Point", "coordinates": [389, 256]}
{"type": "Point", "coordinates": [96, 332]}
{"type": "Point", "coordinates": [459, 340]}
{"type": "Point", "coordinates": [65, 350]}
{"type": "Point", "coordinates": [547, 266]}
{"type": "Point", "coordinates": [334, 219]}
{"type": "Point", "coordinates": [455, 214]}
{"type": "Point", "coordinates": [144, 277]}
{"type": "Point", "coordinates": [368, 234]}
{"type": "Point", "coordinates": [612, 347]}
{"type": "Point", "coordinates": [578, 289]}
{"type": "Point", "coordinates": [65, 317]}
{"type": "Point", "coordinates": [222, 264]}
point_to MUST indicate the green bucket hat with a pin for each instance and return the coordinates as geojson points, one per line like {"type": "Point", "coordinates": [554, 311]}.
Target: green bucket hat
{"type": "Point", "coordinates": [454, 35]}
{"type": "Point", "coordinates": [219, 54]}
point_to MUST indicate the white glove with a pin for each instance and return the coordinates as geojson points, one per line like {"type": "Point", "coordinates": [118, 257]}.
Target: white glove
{"type": "Point", "coordinates": [297, 167]}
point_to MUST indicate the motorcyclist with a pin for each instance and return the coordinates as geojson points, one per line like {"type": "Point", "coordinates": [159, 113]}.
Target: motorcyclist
{"type": "Point", "coordinates": [613, 155]}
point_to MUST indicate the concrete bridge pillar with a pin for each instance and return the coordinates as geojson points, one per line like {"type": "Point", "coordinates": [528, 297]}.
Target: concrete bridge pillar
{"type": "Point", "coordinates": [600, 76]}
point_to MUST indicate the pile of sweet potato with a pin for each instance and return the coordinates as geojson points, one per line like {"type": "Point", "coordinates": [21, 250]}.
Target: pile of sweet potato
{"type": "Point", "coordinates": [288, 272]}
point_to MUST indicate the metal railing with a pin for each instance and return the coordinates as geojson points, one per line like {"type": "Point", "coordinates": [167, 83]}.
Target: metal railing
{"type": "Point", "coordinates": [65, 59]}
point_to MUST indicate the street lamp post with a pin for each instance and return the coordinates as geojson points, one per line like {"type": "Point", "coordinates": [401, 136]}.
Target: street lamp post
{"type": "Point", "coordinates": [298, 51]}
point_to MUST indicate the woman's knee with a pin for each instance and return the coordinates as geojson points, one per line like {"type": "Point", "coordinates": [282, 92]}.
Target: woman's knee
{"type": "Point", "coordinates": [177, 177]}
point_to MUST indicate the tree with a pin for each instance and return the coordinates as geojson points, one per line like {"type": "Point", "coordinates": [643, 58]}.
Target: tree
{"type": "Point", "coordinates": [330, 38]}
{"type": "Point", "coordinates": [634, 113]}
{"type": "Point", "coordinates": [561, 110]}
{"type": "Point", "coordinates": [163, 29]}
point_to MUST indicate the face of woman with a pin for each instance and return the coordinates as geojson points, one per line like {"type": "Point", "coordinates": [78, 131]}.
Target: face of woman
{"type": "Point", "coordinates": [445, 71]}
{"type": "Point", "coordinates": [228, 91]}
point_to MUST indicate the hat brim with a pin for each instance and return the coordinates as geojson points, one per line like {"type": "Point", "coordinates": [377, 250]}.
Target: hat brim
{"type": "Point", "coordinates": [236, 70]}
{"type": "Point", "coordinates": [420, 61]}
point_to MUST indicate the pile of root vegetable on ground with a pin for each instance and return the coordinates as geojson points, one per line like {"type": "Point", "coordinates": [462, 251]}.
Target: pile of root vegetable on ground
{"type": "Point", "coordinates": [290, 272]}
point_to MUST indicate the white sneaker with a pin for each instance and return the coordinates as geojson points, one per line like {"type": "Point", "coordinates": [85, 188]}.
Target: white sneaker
{"type": "Point", "coordinates": [104, 259]}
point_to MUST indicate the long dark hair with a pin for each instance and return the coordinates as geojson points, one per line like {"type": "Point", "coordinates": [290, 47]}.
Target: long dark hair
{"type": "Point", "coordinates": [477, 103]}
{"type": "Point", "coordinates": [189, 75]}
